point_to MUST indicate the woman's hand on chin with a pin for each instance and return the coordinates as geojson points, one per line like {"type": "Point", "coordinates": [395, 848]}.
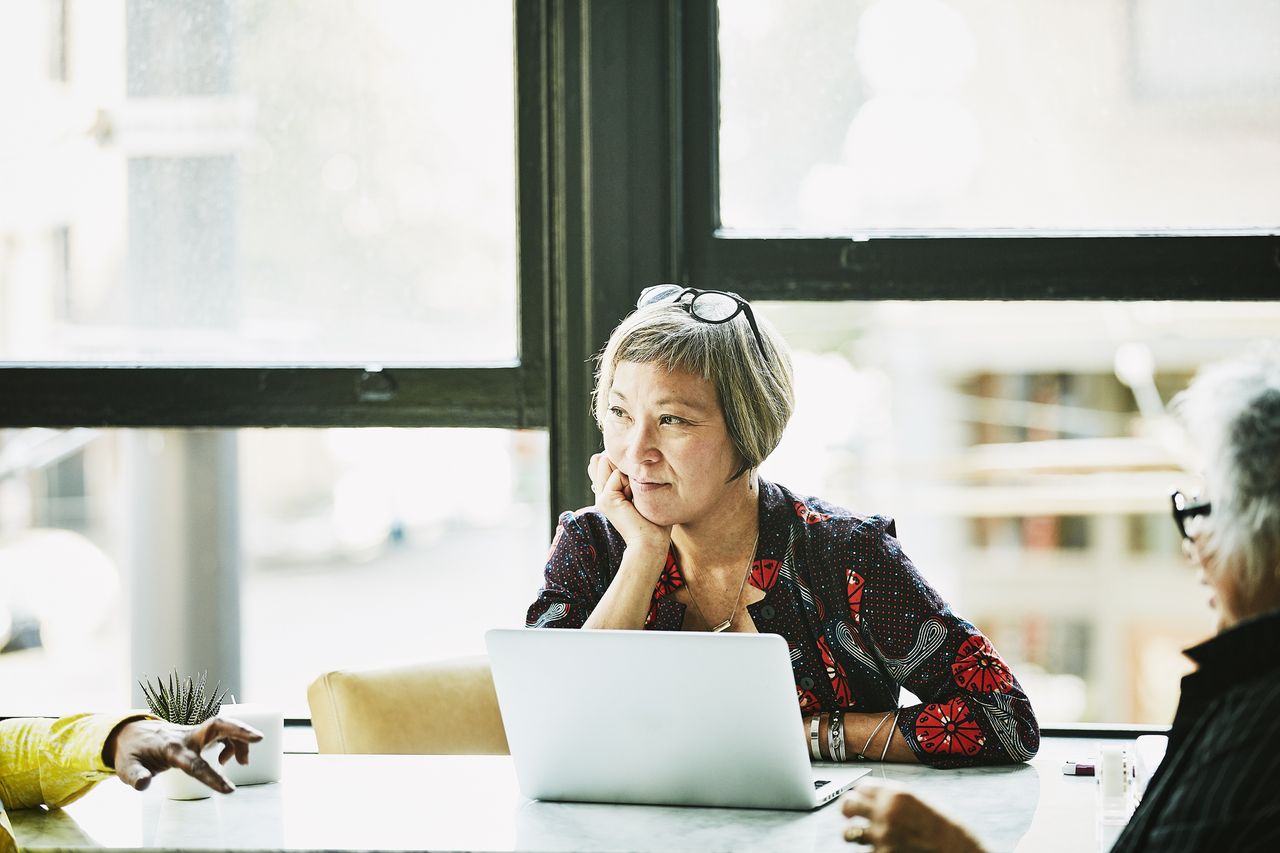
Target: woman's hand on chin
{"type": "Point", "coordinates": [612, 489]}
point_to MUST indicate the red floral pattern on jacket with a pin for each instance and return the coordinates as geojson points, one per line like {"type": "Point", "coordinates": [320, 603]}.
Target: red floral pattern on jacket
{"type": "Point", "coordinates": [977, 667]}
{"type": "Point", "coordinates": [861, 622]}
{"type": "Point", "coordinates": [949, 729]}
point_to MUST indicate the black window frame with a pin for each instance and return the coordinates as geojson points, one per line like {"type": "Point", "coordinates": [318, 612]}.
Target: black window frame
{"type": "Point", "coordinates": [210, 396]}
{"type": "Point", "coordinates": [999, 265]}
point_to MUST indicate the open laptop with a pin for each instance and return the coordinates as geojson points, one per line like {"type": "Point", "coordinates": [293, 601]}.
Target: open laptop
{"type": "Point", "coordinates": [657, 717]}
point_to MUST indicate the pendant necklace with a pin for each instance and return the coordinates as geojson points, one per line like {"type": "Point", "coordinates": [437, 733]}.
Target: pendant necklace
{"type": "Point", "coordinates": [716, 629]}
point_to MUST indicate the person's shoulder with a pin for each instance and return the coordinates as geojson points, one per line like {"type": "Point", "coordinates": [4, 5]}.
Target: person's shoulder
{"type": "Point", "coordinates": [820, 517]}
{"type": "Point", "coordinates": [1243, 718]}
{"type": "Point", "coordinates": [1258, 698]}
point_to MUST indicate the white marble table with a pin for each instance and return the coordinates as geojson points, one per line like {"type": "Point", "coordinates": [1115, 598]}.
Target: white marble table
{"type": "Point", "coordinates": [333, 802]}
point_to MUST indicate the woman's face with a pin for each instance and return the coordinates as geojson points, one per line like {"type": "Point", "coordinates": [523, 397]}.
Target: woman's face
{"type": "Point", "coordinates": [665, 431]}
{"type": "Point", "coordinates": [1215, 573]}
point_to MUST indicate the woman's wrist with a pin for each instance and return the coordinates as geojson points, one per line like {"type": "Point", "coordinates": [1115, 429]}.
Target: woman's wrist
{"type": "Point", "coordinates": [645, 558]}
{"type": "Point", "coordinates": [626, 602]}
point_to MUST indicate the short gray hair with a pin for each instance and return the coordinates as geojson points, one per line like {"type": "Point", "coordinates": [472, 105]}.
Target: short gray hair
{"type": "Point", "coordinates": [1232, 412]}
{"type": "Point", "coordinates": [756, 395]}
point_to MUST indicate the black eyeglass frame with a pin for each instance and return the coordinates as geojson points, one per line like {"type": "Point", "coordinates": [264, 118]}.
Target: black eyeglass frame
{"type": "Point", "coordinates": [1184, 508]}
{"type": "Point", "coordinates": [744, 307]}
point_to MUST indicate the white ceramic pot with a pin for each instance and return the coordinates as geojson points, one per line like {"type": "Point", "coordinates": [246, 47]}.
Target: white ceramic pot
{"type": "Point", "coordinates": [264, 756]}
{"type": "Point", "coordinates": [177, 785]}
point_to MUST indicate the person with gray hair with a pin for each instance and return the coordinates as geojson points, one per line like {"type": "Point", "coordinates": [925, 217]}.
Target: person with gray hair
{"type": "Point", "coordinates": [1216, 787]}
{"type": "Point", "coordinates": [693, 391]}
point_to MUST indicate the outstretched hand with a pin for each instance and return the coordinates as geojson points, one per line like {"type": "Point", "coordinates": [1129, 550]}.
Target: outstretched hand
{"type": "Point", "coordinates": [142, 748]}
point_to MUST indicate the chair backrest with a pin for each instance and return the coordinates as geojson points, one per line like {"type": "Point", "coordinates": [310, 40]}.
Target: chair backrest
{"type": "Point", "coordinates": [445, 707]}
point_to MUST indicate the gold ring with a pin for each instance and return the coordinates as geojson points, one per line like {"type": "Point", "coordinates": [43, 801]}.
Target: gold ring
{"type": "Point", "coordinates": [854, 833]}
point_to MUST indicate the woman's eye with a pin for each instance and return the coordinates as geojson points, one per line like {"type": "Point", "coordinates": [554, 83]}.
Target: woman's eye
{"type": "Point", "coordinates": [616, 412]}
{"type": "Point", "coordinates": [670, 420]}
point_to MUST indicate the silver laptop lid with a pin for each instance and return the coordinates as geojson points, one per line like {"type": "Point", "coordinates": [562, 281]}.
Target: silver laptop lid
{"type": "Point", "coordinates": [652, 717]}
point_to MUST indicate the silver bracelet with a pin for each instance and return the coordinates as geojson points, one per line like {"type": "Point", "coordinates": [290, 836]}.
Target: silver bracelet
{"type": "Point", "coordinates": [892, 728]}
{"type": "Point", "coordinates": [862, 755]}
{"type": "Point", "coordinates": [814, 752]}
{"type": "Point", "coordinates": [835, 736]}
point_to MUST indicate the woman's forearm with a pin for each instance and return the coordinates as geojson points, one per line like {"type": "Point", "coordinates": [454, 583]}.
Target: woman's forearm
{"type": "Point", "coordinates": [625, 603]}
{"type": "Point", "coordinates": [859, 737]}
{"type": "Point", "coordinates": [874, 736]}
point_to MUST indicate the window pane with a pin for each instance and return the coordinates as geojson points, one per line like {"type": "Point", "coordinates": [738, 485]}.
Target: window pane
{"type": "Point", "coordinates": [357, 547]}
{"type": "Point", "coordinates": [1029, 483]}
{"type": "Point", "coordinates": [329, 181]}
{"type": "Point", "coordinates": [844, 116]}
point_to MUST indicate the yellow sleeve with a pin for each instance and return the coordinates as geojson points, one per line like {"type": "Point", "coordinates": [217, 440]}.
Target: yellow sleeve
{"type": "Point", "coordinates": [53, 762]}
{"type": "Point", "coordinates": [7, 844]}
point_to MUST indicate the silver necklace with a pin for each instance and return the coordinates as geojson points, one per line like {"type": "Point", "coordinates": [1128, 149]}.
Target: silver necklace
{"type": "Point", "coordinates": [716, 629]}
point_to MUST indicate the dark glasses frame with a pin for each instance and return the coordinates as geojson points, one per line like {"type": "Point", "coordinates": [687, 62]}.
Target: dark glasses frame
{"type": "Point", "coordinates": [660, 293]}
{"type": "Point", "coordinates": [1184, 508]}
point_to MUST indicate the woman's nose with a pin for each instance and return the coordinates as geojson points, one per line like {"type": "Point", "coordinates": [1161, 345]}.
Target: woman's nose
{"type": "Point", "coordinates": [643, 446]}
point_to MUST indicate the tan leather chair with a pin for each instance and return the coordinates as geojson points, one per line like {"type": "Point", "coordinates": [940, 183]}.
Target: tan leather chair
{"type": "Point", "coordinates": [441, 708]}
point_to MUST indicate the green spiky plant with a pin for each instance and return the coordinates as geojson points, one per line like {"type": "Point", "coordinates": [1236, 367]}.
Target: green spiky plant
{"type": "Point", "coordinates": [183, 700]}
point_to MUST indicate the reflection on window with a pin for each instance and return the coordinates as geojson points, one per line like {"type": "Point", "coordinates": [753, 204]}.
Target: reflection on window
{"type": "Point", "coordinates": [328, 181]}
{"type": "Point", "coordinates": [842, 116]}
{"type": "Point", "coordinates": [358, 547]}
{"type": "Point", "coordinates": [1027, 455]}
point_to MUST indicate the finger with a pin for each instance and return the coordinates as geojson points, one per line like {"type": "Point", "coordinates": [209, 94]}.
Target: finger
{"type": "Point", "coordinates": [603, 466]}
{"type": "Point", "coordinates": [135, 775]}
{"type": "Point", "coordinates": [593, 476]}
{"type": "Point", "coordinates": [194, 765]}
{"type": "Point", "coordinates": [228, 750]}
{"type": "Point", "coordinates": [223, 728]}
{"type": "Point", "coordinates": [856, 833]}
{"type": "Point", "coordinates": [855, 804]}
{"type": "Point", "coordinates": [615, 484]}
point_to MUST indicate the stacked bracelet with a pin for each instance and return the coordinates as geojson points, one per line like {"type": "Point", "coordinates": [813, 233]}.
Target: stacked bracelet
{"type": "Point", "coordinates": [815, 750]}
{"type": "Point", "coordinates": [835, 736]}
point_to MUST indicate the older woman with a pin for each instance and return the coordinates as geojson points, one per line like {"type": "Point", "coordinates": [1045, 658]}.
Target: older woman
{"type": "Point", "coordinates": [692, 393]}
{"type": "Point", "coordinates": [1216, 788]}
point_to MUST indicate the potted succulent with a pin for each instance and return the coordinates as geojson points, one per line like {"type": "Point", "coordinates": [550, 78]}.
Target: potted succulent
{"type": "Point", "coordinates": [187, 702]}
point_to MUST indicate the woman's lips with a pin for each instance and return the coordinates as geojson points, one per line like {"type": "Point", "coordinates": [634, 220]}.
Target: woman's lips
{"type": "Point", "coordinates": [639, 486]}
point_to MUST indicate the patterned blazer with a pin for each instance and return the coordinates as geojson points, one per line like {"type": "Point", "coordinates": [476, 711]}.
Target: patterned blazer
{"type": "Point", "coordinates": [859, 618]}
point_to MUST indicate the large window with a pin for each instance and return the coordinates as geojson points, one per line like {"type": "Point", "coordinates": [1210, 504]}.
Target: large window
{"type": "Point", "coordinates": [1027, 453]}
{"type": "Point", "coordinates": [247, 213]}
{"type": "Point", "coordinates": [351, 547]}
{"type": "Point", "coordinates": [846, 117]}
{"type": "Point", "coordinates": [946, 149]}
{"type": "Point", "coordinates": [247, 181]}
